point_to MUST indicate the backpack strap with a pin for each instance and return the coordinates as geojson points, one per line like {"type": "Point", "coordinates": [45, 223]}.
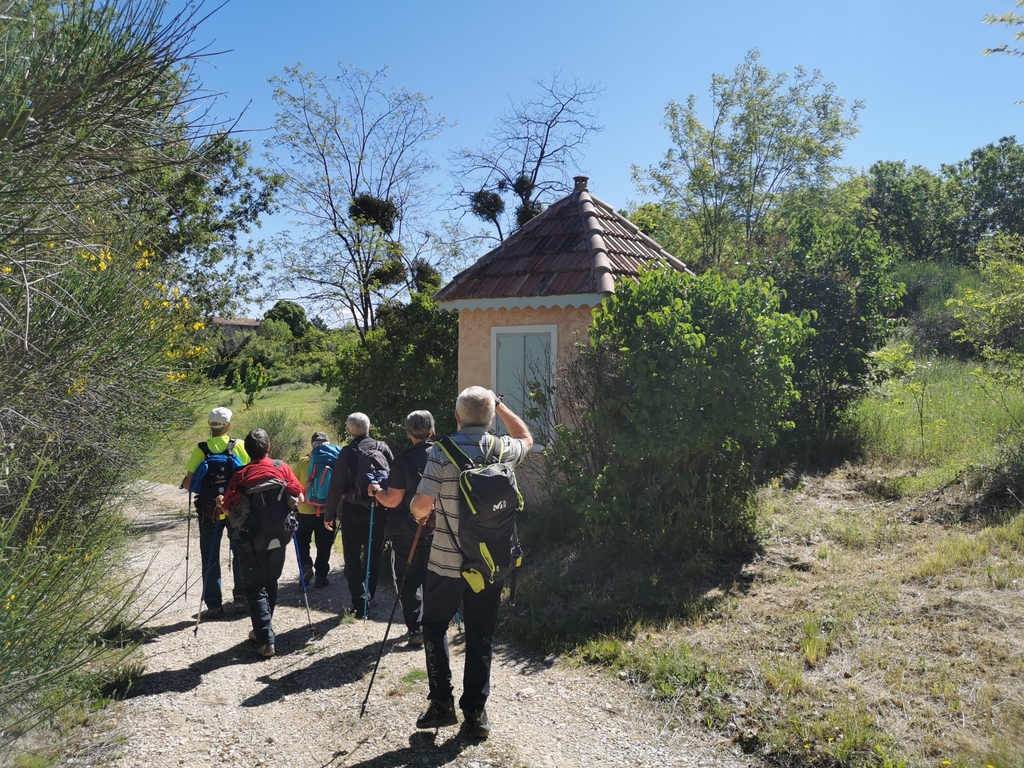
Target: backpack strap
{"type": "Point", "coordinates": [230, 450]}
{"type": "Point", "coordinates": [205, 448]}
{"type": "Point", "coordinates": [450, 449]}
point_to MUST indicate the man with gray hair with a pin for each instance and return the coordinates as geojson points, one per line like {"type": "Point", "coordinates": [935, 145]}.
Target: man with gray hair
{"type": "Point", "coordinates": [347, 498]}
{"type": "Point", "coordinates": [445, 588]}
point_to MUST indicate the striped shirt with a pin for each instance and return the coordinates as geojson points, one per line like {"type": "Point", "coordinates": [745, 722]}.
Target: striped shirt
{"type": "Point", "coordinates": [441, 482]}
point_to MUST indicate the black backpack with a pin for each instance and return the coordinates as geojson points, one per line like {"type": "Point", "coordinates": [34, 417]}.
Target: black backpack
{"type": "Point", "coordinates": [265, 516]}
{"type": "Point", "coordinates": [489, 501]}
{"type": "Point", "coordinates": [369, 463]}
{"type": "Point", "coordinates": [212, 476]}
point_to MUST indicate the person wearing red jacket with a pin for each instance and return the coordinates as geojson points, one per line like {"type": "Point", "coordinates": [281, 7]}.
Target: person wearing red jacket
{"type": "Point", "coordinates": [261, 565]}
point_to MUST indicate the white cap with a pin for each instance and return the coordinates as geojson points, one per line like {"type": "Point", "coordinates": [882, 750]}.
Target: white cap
{"type": "Point", "coordinates": [219, 417]}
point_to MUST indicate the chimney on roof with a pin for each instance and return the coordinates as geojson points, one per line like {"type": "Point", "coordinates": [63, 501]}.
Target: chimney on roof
{"type": "Point", "coordinates": [581, 183]}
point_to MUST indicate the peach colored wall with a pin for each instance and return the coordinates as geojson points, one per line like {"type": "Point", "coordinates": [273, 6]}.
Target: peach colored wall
{"type": "Point", "coordinates": [475, 336]}
{"type": "Point", "coordinates": [475, 359]}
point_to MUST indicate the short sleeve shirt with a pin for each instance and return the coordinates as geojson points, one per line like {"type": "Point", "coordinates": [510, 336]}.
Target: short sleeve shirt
{"type": "Point", "coordinates": [441, 482]}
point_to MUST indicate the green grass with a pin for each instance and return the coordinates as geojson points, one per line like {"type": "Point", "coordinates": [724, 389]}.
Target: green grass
{"type": "Point", "coordinates": [934, 424]}
{"type": "Point", "coordinates": [305, 405]}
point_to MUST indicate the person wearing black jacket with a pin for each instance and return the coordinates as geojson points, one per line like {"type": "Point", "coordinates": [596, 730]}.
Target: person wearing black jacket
{"type": "Point", "coordinates": [401, 527]}
{"type": "Point", "coordinates": [344, 500]}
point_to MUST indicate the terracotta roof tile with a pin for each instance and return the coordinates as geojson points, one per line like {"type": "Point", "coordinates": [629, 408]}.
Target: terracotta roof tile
{"type": "Point", "coordinates": [578, 245]}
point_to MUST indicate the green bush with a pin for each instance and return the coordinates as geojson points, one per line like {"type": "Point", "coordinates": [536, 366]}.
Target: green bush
{"type": "Point", "coordinates": [410, 362]}
{"type": "Point", "coordinates": [683, 382]}
{"type": "Point", "coordinates": [839, 275]}
{"type": "Point", "coordinates": [932, 323]}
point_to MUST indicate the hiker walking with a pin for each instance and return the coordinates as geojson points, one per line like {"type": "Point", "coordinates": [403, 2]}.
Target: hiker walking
{"type": "Point", "coordinates": [400, 527]}
{"type": "Point", "coordinates": [362, 524]}
{"type": "Point", "coordinates": [260, 501]}
{"type": "Point", "coordinates": [207, 473]}
{"type": "Point", "coordinates": [316, 469]}
{"type": "Point", "coordinates": [445, 587]}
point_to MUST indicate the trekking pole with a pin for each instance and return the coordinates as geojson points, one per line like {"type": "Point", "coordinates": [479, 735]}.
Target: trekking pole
{"type": "Point", "coordinates": [369, 551]}
{"type": "Point", "coordinates": [380, 652]}
{"type": "Point", "coordinates": [188, 541]}
{"type": "Point", "coordinates": [209, 567]}
{"type": "Point", "coordinates": [302, 581]}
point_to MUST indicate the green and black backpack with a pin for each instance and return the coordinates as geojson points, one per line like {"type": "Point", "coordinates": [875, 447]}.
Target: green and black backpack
{"type": "Point", "coordinates": [489, 501]}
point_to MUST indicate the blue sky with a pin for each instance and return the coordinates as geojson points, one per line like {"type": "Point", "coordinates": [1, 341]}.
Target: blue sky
{"type": "Point", "coordinates": [930, 95]}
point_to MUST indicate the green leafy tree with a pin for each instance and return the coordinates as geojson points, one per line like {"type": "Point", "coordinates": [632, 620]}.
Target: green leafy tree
{"type": "Point", "coordinates": [409, 362]}
{"type": "Point", "coordinates": [530, 156]}
{"type": "Point", "coordinates": [768, 133]}
{"type": "Point", "coordinates": [252, 382]}
{"type": "Point", "coordinates": [987, 189]}
{"type": "Point", "coordinates": [293, 315]}
{"type": "Point", "coordinates": [839, 276]}
{"type": "Point", "coordinates": [910, 209]}
{"type": "Point", "coordinates": [354, 154]}
{"type": "Point", "coordinates": [685, 380]}
{"type": "Point", "coordinates": [198, 215]}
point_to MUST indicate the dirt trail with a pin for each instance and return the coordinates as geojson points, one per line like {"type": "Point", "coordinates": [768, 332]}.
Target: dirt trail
{"type": "Point", "coordinates": [207, 700]}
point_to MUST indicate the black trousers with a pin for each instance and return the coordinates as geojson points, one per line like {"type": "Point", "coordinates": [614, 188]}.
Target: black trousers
{"type": "Point", "coordinates": [311, 529]}
{"type": "Point", "coordinates": [358, 546]}
{"type": "Point", "coordinates": [441, 598]}
{"type": "Point", "coordinates": [260, 572]}
{"type": "Point", "coordinates": [410, 578]}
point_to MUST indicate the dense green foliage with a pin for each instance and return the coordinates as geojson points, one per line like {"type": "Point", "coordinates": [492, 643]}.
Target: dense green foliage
{"type": "Point", "coordinates": [683, 382]}
{"type": "Point", "coordinates": [944, 216]}
{"type": "Point", "coordinates": [840, 276]}
{"type": "Point", "coordinates": [992, 315]}
{"type": "Point", "coordinates": [409, 363]}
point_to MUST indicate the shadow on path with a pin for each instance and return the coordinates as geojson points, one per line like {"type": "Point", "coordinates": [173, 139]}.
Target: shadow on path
{"type": "Point", "coordinates": [422, 751]}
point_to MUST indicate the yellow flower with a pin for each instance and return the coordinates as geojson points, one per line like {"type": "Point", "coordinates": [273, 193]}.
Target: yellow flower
{"type": "Point", "coordinates": [6, 270]}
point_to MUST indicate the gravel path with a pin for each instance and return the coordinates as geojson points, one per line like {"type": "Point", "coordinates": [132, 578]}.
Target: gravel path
{"type": "Point", "coordinates": [208, 701]}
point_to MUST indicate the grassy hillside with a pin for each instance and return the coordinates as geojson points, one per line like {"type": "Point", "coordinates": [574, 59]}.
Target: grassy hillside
{"type": "Point", "coordinates": [303, 407]}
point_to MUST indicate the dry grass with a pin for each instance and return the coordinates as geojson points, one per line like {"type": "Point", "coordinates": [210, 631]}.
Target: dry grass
{"type": "Point", "coordinates": [868, 634]}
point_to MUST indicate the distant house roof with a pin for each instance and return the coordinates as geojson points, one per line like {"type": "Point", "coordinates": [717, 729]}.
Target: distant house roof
{"type": "Point", "coordinates": [571, 253]}
{"type": "Point", "coordinates": [231, 324]}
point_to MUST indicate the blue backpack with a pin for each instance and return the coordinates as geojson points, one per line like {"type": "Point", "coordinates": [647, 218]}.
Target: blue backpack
{"type": "Point", "coordinates": [211, 477]}
{"type": "Point", "coordinates": [318, 480]}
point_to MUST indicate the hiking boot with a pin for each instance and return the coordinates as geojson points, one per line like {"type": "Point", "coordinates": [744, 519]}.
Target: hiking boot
{"type": "Point", "coordinates": [415, 640]}
{"type": "Point", "coordinates": [213, 613]}
{"type": "Point", "coordinates": [252, 635]}
{"type": "Point", "coordinates": [476, 725]}
{"type": "Point", "coordinates": [321, 583]}
{"type": "Point", "coordinates": [307, 576]}
{"type": "Point", "coordinates": [438, 715]}
{"type": "Point", "coordinates": [241, 603]}
{"type": "Point", "coordinates": [266, 651]}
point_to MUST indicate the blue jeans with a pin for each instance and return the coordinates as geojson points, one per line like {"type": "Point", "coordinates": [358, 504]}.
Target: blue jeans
{"type": "Point", "coordinates": [210, 533]}
{"type": "Point", "coordinates": [441, 598]}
